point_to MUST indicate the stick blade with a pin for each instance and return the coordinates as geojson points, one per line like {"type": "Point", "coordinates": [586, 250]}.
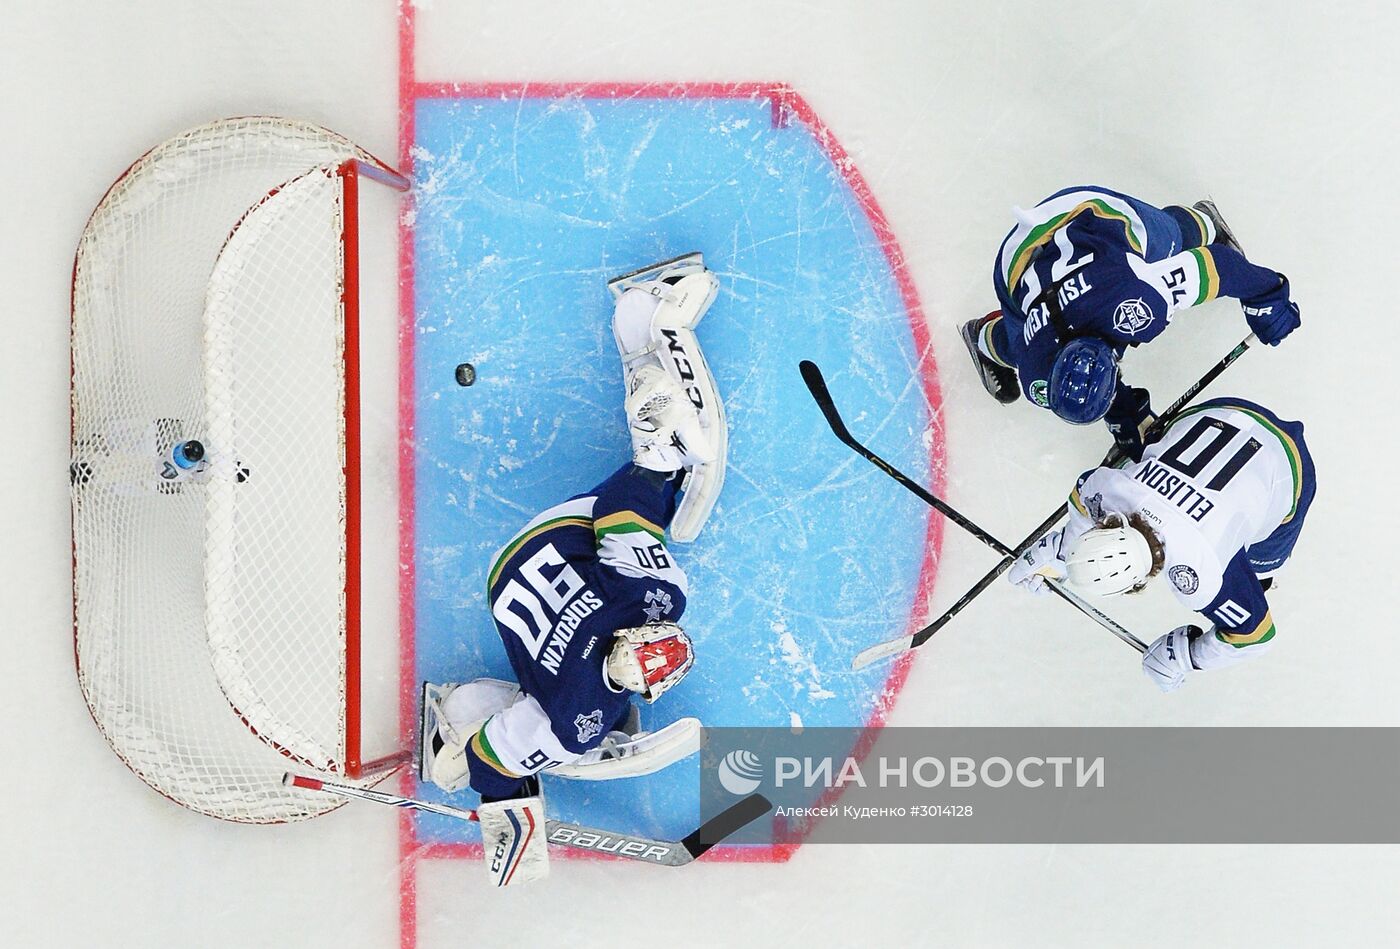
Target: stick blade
{"type": "Point", "coordinates": [816, 385]}
{"type": "Point", "coordinates": [812, 376]}
{"type": "Point", "coordinates": [882, 651]}
{"type": "Point", "coordinates": [729, 821]}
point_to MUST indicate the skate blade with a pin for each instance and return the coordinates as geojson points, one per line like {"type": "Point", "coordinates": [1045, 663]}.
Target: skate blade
{"type": "Point", "coordinates": [968, 332]}
{"type": "Point", "coordinates": [615, 284]}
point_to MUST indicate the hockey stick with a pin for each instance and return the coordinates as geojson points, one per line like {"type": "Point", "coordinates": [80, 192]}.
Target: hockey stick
{"type": "Point", "coordinates": [895, 646]}
{"type": "Point", "coordinates": [812, 376]}
{"type": "Point", "coordinates": [666, 853]}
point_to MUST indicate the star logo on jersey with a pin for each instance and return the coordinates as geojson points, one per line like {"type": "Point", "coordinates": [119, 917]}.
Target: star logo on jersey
{"type": "Point", "coordinates": [589, 726]}
{"type": "Point", "coordinates": [1131, 317]}
{"type": "Point", "coordinates": [1184, 579]}
{"type": "Point", "coordinates": [658, 605]}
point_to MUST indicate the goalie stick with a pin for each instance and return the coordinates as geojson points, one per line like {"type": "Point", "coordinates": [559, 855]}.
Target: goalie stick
{"type": "Point", "coordinates": [895, 646]}
{"type": "Point", "coordinates": [812, 376]}
{"type": "Point", "coordinates": [665, 853]}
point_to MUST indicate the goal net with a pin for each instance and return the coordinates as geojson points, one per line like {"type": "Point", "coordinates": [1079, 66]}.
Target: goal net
{"type": "Point", "coordinates": [215, 466]}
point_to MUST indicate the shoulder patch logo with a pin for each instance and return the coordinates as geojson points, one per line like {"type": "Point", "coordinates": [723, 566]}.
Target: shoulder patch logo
{"type": "Point", "coordinates": [1094, 505]}
{"type": "Point", "coordinates": [589, 725]}
{"type": "Point", "coordinates": [1038, 393]}
{"type": "Point", "coordinates": [658, 605]}
{"type": "Point", "coordinates": [1131, 317]}
{"type": "Point", "coordinates": [1184, 578]}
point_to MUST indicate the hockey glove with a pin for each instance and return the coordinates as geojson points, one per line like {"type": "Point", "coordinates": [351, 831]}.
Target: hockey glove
{"type": "Point", "coordinates": [1128, 420]}
{"type": "Point", "coordinates": [1169, 658]}
{"type": "Point", "coordinates": [1272, 316]}
{"type": "Point", "coordinates": [1041, 561]}
{"type": "Point", "coordinates": [513, 838]}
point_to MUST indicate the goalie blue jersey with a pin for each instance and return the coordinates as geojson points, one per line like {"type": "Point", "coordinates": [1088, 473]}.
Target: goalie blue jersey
{"type": "Point", "coordinates": [558, 591]}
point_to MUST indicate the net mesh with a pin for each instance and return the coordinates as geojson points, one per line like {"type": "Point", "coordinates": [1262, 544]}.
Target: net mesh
{"type": "Point", "coordinates": [210, 609]}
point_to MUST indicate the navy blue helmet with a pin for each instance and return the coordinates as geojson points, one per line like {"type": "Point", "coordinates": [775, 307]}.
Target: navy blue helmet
{"type": "Point", "coordinates": [1083, 380]}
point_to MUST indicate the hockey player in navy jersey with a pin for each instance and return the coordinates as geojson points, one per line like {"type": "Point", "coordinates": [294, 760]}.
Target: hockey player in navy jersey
{"type": "Point", "coordinates": [588, 598]}
{"type": "Point", "coordinates": [1088, 272]}
{"type": "Point", "coordinates": [1216, 505]}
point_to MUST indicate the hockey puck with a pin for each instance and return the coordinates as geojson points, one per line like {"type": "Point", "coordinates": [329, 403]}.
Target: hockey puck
{"type": "Point", "coordinates": [466, 374]}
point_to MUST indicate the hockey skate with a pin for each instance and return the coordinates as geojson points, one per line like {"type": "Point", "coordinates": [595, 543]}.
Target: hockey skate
{"type": "Point", "coordinates": [1223, 234]}
{"type": "Point", "coordinates": [1000, 381]}
{"type": "Point", "coordinates": [668, 272]}
{"type": "Point", "coordinates": [439, 743]}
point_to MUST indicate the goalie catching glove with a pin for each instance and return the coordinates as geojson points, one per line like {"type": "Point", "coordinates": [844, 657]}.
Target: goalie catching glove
{"type": "Point", "coordinates": [666, 430]}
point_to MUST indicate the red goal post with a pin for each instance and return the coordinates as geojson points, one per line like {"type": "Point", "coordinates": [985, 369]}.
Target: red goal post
{"type": "Point", "coordinates": [217, 608]}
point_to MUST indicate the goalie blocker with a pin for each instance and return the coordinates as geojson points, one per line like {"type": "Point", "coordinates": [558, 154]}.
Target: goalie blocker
{"type": "Point", "coordinates": [513, 839]}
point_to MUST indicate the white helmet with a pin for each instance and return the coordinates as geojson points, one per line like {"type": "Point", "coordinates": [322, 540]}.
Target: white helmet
{"type": "Point", "coordinates": [1110, 559]}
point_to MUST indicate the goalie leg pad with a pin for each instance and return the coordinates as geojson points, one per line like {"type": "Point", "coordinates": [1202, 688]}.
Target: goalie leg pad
{"type": "Point", "coordinates": [513, 835]}
{"type": "Point", "coordinates": [676, 292]}
{"type": "Point", "coordinates": [681, 356]}
{"type": "Point", "coordinates": [452, 714]}
{"type": "Point", "coordinates": [653, 324]}
{"type": "Point", "coordinates": [654, 321]}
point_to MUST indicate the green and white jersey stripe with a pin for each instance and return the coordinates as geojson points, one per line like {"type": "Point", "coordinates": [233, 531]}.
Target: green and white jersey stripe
{"type": "Point", "coordinates": [1037, 226]}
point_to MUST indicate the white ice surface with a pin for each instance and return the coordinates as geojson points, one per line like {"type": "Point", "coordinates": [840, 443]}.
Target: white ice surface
{"type": "Point", "coordinates": [954, 112]}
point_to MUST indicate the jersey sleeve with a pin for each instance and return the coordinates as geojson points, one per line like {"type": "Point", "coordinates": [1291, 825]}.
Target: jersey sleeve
{"type": "Point", "coordinates": [1244, 625]}
{"type": "Point", "coordinates": [1204, 273]}
{"type": "Point", "coordinates": [1081, 517]}
{"type": "Point", "coordinates": [512, 745]}
{"type": "Point", "coordinates": [630, 516]}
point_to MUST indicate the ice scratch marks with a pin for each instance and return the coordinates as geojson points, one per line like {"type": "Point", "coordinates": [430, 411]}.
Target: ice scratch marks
{"type": "Point", "coordinates": [800, 664]}
{"type": "Point", "coordinates": [806, 557]}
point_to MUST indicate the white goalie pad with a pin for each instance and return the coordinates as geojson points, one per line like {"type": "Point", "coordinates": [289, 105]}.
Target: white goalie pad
{"type": "Point", "coordinates": [681, 356]}
{"type": "Point", "coordinates": [645, 754]}
{"type": "Point", "coordinates": [452, 714]}
{"type": "Point", "coordinates": [660, 328]}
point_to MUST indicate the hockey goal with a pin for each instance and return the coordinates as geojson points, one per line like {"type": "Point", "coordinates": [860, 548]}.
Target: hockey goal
{"type": "Point", "coordinates": [217, 603]}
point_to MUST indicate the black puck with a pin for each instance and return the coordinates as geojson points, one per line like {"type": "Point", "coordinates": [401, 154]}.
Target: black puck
{"type": "Point", "coordinates": [466, 374]}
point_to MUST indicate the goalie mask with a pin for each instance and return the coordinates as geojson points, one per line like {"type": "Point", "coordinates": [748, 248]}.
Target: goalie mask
{"type": "Point", "coordinates": [649, 660]}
